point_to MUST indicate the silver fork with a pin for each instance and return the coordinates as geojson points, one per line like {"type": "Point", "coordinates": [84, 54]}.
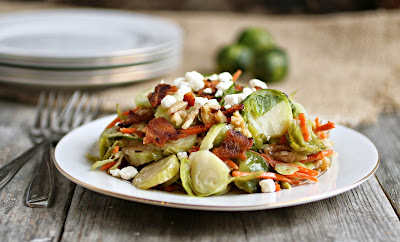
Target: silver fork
{"type": "Point", "coordinates": [51, 123]}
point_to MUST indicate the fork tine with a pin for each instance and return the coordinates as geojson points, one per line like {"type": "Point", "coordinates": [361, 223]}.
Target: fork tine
{"type": "Point", "coordinates": [59, 103]}
{"type": "Point", "coordinates": [66, 115]}
{"type": "Point", "coordinates": [38, 111]}
{"type": "Point", "coordinates": [78, 115]}
{"type": "Point", "coordinates": [46, 114]}
{"type": "Point", "coordinates": [94, 111]}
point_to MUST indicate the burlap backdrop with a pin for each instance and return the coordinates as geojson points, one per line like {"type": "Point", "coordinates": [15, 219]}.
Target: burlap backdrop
{"type": "Point", "coordinates": [345, 67]}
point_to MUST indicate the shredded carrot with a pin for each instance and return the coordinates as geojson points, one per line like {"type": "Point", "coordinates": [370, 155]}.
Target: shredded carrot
{"type": "Point", "coordinates": [302, 175]}
{"type": "Point", "coordinates": [267, 175]}
{"type": "Point", "coordinates": [194, 149]}
{"type": "Point", "coordinates": [322, 135]}
{"type": "Point", "coordinates": [108, 166]}
{"type": "Point", "coordinates": [302, 169]}
{"type": "Point", "coordinates": [303, 126]}
{"type": "Point", "coordinates": [317, 123]}
{"type": "Point", "coordinates": [171, 188]}
{"type": "Point", "coordinates": [318, 155]}
{"type": "Point", "coordinates": [230, 163]}
{"type": "Point", "coordinates": [116, 149]}
{"type": "Point", "coordinates": [128, 130]}
{"type": "Point", "coordinates": [236, 75]}
{"type": "Point", "coordinates": [277, 187]}
{"type": "Point", "coordinates": [117, 119]}
{"type": "Point", "coordinates": [325, 127]}
{"type": "Point", "coordinates": [270, 161]}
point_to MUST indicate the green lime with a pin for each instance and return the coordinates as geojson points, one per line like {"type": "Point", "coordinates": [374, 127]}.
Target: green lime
{"type": "Point", "coordinates": [270, 64]}
{"type": "Point", "coordinates": [234, 57]}
{"type": "Point", "coordinates": [255, 37]}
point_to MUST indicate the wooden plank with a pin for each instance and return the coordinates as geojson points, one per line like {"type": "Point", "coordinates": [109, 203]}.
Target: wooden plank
{"type": "Point", "coordinates": [18, 222]}
{"type": "Point", "coordinates": [386, 137]}
{"type": "Point", "coordinates": [363, 214]}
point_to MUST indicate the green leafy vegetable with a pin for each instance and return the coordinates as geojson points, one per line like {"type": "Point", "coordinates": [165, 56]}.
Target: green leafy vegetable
{"type": "Point", "coordinates": [298, 143]}
{"type": "Point", "coordinates": [138, 154]}
{"type": "Point", "coordinates": [142, 99]}
{"type": "Point", "coordinates": [180, 145]}
{"type": "Point", "coordinates": [253, 163]}
{"type": "Point", "coordinates": [285, 169]}
{"type": "Point", "coordinates": [216, 131]}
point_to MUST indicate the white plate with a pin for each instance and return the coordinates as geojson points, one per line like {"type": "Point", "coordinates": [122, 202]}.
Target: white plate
{"type": "Point", "coordinates": [84, 37]}
{"type": "Point", "coordinates": [357, 160]}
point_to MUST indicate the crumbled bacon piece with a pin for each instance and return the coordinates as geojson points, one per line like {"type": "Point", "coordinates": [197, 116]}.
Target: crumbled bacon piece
{"type": "Point", "coordinates": [137, 116]}
{"type": "Point", "coordinates": [159, 131]}
{"type": "Point", "coordinates": [234, 145]}
{"type": "Point", "coordinates": [238, 87]}
{"type": "Point", "coordinates": [159, 93]}
{"type": "Point", "coordinates": [211, 84]}
{"type": "Point", "coordinates": [232, 109]}
{"type": "Point", "coordinates": [190, 98]}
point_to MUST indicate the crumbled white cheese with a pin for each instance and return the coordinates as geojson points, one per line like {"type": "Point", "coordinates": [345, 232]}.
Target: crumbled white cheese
{"type": "Point", "coordinates": [128, 172]}
{"type": "Point", "coordinates": [207, 90]}
{"type": "Point", "coordinates": [115, 172]}
{"type": "Point", "coordinates": [212, 102]}
{"type": "Point", "coordinates": [223, 86]}
{"type": "Point", "coordinates": [227, 106]}
{"type": "Point", "coordinates": [219, 93]}
{"type": "Point", "coordinates": [267, 185]}
{"type": "Point", "coordinates": [162, 82]}
{"type": "Point", "coordinates": [253, 83]}
{"type": "Point", "coordinates": [225, 77]}
{"type": "Point", "coordinates": [195, 80]}
{"type": "Point", "coordinates": [168, 101]}
{"type": "Point", "coordinates": [183, 90]}
{"type": "Point", "coordinates": [180, 81]}
{"type": "Point", "coordinates": [201, 100]}
{"type": "Point", "coordinates": [213, 77]}
{"type": "Point", "coordinates": [233, 99]}
{"type": "Point", "coordinates": [182, 155]}
{"type": "Point", "coordinates": [247, 91]}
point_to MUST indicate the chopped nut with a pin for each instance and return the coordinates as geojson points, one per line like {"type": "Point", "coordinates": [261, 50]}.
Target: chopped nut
{"type": "Point", "coordinates": [239, 125]}
{"type": "Point", "coordinates": [323, 164]}
{"type": "Point", "coordinates": [191, 116]}
{"type": "Point", "coordinates": [178, 117]}
{"type": "Point", "coordinates": [180, 105]}
{"type": "Point", "coordinates": [210, 113]}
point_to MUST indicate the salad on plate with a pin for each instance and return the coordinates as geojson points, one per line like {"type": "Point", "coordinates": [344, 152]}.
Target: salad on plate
{"type": "Point", "coordinates": [205, 135]}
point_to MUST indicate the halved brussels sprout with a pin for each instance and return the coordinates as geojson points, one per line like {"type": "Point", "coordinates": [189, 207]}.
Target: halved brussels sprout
{"type": "Point", "coordinates": [208, 174]}
{"type": "Point", "coordinates": [253, 163]}
{"type": "Point", "coordinates": [285, 169]}
{"type": "Point", "coordinates": [268, 113]}
{"type": "Point", "coordinates": [136, 153]}
{"type": "Point", "coordinates": [157, 172]}
{"type": "Point", "coordinates": [298, 143]}
{"type": "Point", "coordinates": [216, 131]}
{"type": "Point", "coordinates": [180, 145]}
{"type": "Point", "coordinates": [142, 99]}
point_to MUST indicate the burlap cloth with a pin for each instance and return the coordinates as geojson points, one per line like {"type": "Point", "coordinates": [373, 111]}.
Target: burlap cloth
{"type": "Point", "coordinates": [345, 67]}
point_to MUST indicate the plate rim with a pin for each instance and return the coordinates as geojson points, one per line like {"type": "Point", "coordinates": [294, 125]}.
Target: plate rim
{"type": "Point", "coordinates": [274, 205]}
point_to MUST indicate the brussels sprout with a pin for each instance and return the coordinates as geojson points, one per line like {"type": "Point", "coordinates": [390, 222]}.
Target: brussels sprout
{"type": "Point", "coordinates": [255, 37]}
{"type": "Point", "coordinates": [270, 65]}
{"type": "Point", "coordinates": [162, 112]}
{"type": "Point", "coordinates": [209, 174]}
{"type": "Point", "coordinates": [180, 145]}
{"type": "Point", "coordinates": [142, 99]}
{"type": "Point", "coordinates": [234, 57]}
{"type": "Point", "coordinates": [215, 131]}
{"type": "Point", "coordinates": [186, 178]}
{"type": "Point", "coordinates": [298, 143]}
{"type": "Point", "coordinates": [138, 154]}
{"type": "Point", "coordinates": [297, 108]}
{"type": "Point", "coordinates": [253, 163]}
{"type": "Point", "coordinates": [170, 181]}
{"type": "Point", "coordinates": [285, 169]}
{"type": "Point", "coordinates": [157, 172]}
{"type": "Point", "coordinates": [268, 113]}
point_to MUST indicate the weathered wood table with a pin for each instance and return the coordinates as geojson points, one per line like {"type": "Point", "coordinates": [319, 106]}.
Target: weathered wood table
{"type": "Point", "coordinates": [369, 212]}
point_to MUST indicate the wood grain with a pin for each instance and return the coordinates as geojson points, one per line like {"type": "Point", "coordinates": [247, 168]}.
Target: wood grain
{"type": "Point", "coordinates": [18, 222]}
{"type": "Point", "coordinates": [386, 137]}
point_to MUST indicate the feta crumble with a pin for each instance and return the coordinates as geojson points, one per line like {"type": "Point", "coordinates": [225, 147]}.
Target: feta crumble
{"type": "Point", "coordinates": [201, 100]}
{"type": "Point", "coordinates": [227, 106]}
{"type": "Point", "coordinates": [219, 93]}
{"type": "Point", "coordinates": [223, 86]}
{"type": "Point", "coordinates": [213, 102]}
{"type": "Point", "coordinates": [168, 101]}
{"type": "Point", "coordinates": [128, 172]}
{"type": "Point", "coordinates": [213, 77]}
{"type": "Point", "coordinates": [225, 77]}
{"type": "Point", "coordinates": [182, 155]}
{"type": "Point", "coordinates": [207, 90]}
{"type": "Point", "coordinates": [162, 82]}
{"type": "Point", "coordinates": [195, 80]}
{"type": "Point", "coordinates": [267, 185]}
{"type": "Point", "coordinates": [253, 83]}
{"type": "Point", "coordinates": [178, 82]}
{"type": "Point", "coordinates": [183, 90]}
{"type": "Point", "coordinates": [115, 172]}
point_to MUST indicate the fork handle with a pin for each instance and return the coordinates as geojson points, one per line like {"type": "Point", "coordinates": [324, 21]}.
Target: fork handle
{"type": "Point", "coordinates": [40, 191]}
{"type": "Point", "coordinates": [11, 168]}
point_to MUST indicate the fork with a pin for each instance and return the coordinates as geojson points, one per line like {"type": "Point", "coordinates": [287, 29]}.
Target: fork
{"type": "Point", "coordinates": [51, 123]}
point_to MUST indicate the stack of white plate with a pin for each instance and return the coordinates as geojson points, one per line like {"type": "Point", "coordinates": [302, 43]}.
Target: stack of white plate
{"type": "Point", "coordinates": [86, 47]}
